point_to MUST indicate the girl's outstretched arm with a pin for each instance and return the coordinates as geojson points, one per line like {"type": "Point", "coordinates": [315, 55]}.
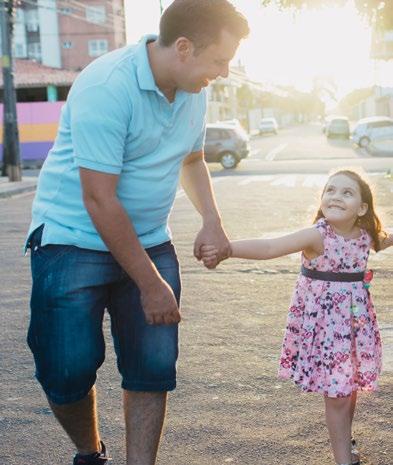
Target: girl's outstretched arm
{"type": "Point", "coordinates": [307, 240]}
{"type": "Point", "coordinates": [386, 241]}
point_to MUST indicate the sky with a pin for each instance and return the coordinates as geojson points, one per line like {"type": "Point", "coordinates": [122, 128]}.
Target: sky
{"type": "Point", "coordinates": [329, 44]}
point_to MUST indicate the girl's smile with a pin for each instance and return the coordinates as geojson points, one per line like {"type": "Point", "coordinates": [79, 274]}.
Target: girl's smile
{"type": "Point", "coordinates": [341, 202]}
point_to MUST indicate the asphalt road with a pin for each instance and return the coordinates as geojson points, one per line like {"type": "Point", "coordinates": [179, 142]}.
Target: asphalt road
{"type": "Point", "coordinates": [229, 406]}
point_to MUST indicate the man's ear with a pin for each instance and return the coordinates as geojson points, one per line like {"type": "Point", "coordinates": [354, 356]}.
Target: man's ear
{"type": "Point", "coordinates": [363, 209]}
{"type": "Point", "coordinates": [184, 48]}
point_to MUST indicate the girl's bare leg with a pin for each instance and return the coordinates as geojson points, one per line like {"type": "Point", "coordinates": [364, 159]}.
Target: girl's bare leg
{"type": "Point", "coordinates": [339, 422]}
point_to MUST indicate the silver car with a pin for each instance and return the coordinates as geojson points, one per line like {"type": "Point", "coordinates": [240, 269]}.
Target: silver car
{"type": "Point", "coordinates": [368, 130]}
{"type": "Point", "coordinates": [338, 127]}
{"type": "Point", "coordinates": [226, 144]}
{"type": "Point", "coordinates": [268, 126]}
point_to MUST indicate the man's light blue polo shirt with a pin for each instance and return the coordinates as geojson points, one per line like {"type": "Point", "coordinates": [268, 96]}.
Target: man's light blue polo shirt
{"type": "Point", "coordinates": [117, 121]}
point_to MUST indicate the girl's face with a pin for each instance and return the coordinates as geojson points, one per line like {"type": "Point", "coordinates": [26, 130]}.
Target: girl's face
{"type": "Point", "coordinates": [341, 202]}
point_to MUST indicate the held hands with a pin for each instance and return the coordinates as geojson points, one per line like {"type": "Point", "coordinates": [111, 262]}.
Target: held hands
{"type": "Point", "coordinates": [210, 256]}
{"type": "Point", "coordinates": [213, 239]}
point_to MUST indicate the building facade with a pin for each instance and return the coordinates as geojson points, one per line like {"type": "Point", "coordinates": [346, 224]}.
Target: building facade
{"type": "Point", "coordinates": [67, 34]}
{"type": "Point", "coordinates": [379, 103]}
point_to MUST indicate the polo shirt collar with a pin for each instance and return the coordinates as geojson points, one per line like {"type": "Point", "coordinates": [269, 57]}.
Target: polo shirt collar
{"type": "Point", "coordinates": [144, 73]}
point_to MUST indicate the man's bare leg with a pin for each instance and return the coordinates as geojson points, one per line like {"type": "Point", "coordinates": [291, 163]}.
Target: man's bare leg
{"type": "Point", "coordinates": [80, 422]}
{"type": "Point", "coordinates": [144, 417]}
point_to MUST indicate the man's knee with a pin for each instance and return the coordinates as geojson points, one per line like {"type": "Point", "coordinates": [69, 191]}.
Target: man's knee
{"type": "Point", "coordinates": [69, 384]}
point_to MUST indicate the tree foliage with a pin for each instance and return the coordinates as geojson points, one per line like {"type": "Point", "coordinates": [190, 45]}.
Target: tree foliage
{"type": "Point", "coordinates": [378, 12]}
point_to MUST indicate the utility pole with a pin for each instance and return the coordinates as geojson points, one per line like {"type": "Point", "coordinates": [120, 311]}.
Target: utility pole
{"type": "Point", "coordinates": [11, 155]}
{"type": "Point", "coordinates": [161, 8]}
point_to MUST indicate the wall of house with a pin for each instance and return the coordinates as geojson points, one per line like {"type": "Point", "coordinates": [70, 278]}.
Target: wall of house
{"type": "Point", "coordinates": [49, 34]}
{"type": "Point", "coordinates": [37, 122]}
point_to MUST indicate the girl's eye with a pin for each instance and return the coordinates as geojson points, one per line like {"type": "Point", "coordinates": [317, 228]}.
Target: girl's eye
{"type": "Point", "coordinates": [347, 192]}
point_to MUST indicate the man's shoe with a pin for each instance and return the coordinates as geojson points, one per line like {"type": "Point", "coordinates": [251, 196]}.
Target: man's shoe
{"type": "Point", "coordinates": [98, 458]}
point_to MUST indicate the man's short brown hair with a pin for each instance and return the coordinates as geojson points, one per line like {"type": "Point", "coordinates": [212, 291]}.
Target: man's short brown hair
{"type": "Point", "coordinates": [201, 21]}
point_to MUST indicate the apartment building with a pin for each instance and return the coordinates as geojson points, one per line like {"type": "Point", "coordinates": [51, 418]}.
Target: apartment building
{"type": "Point", "coordinates": [67, 34]}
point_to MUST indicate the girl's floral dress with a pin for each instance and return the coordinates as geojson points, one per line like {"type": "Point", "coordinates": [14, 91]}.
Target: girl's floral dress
{"type": "Point", "coordinates": [332, 343]}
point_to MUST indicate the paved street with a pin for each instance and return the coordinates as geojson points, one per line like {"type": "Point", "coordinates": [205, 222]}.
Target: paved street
{"type": "Point", "coordinates": [229, 406]}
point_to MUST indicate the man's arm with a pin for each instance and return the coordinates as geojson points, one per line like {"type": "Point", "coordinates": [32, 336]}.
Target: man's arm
{"type": "Point", "coordinates": [196, 182]}
{"type": "Point", "coordinates": [116, 230]}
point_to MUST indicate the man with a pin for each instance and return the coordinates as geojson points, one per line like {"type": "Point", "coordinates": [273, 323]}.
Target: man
{"type": "Point", "coordinates": [133, 122]}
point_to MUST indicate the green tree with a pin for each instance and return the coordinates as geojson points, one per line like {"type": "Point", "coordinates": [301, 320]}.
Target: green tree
{"type": "Point", "coordinates": [379, 13]}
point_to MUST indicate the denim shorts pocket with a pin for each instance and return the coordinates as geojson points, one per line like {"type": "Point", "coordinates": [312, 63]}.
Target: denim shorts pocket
{"type": "Point", "coordinates": [43, 257]}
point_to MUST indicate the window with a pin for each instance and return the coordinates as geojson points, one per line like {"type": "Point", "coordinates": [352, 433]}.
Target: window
{"type": "Point", "coordinates": [67, 44]}
{"type": "Point", "coordinates": [381, 124]}
{"type": "Point", "coordinates": [212, 134]}
{"type": "Point", "coordinates": [32, 21]}
{"type": "Point", "coordinates": [65, 11]}
{"type": "Point", "coordinates": [97, 47]}
{"type": "Point", "coordinates": [96, 14]}
{"type": "Point", "coordinates": [19, 50]}
{"type": "Point", "coordinates": [34, 51]}
{"type": "Point", "coordinates": [225, 134]}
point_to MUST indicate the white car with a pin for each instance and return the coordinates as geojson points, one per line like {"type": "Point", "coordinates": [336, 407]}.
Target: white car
{"type": "Point", "coordinates": [368, 130]}
{"type": "Point", "coordinates": [268, 125]}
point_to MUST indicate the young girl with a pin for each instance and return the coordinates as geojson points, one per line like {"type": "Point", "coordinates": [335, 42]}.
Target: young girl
{"type": "Point", "coordinates": [332, 344]}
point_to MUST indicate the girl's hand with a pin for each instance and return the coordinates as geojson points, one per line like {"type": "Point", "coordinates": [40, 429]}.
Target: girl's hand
{"type": "Point", "coordinates": [209, 255]}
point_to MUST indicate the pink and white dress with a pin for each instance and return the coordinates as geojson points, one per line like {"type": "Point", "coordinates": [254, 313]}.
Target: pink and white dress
{"type": "Point", "coordinates": [332, 343]}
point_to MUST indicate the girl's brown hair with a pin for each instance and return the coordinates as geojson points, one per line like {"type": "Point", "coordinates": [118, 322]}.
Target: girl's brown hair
{"type": "Point", "coordinates": [370, 221]}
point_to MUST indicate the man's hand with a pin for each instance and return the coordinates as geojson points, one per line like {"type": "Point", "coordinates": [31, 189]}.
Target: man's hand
{"type": "Point", "coordinates": [209, 255]}
{"type": "Point", "coordinates": [212, 235]}
{"type": "Point", "coordinates": [159, 305]}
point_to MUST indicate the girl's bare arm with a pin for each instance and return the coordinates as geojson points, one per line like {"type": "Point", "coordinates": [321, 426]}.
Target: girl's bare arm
{"type": "Point", "coordinates": [386, 241]}
{"type": "Point", "coordinates": [307, 240]}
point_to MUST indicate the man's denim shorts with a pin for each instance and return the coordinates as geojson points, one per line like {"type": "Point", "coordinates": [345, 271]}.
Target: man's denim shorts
{"type": "Point", "coordinates": [72, 287]}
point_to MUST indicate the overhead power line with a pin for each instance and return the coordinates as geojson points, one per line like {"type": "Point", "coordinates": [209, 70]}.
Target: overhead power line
{"type": "Point", "coordinates": [70, 15]}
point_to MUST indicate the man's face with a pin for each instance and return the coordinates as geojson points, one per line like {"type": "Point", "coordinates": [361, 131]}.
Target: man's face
{"type": "Point", "coordinates": [199, 67]}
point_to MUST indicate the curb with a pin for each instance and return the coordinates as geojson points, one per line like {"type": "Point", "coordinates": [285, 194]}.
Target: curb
{"type": "Point", "coordinates": [13, 191]}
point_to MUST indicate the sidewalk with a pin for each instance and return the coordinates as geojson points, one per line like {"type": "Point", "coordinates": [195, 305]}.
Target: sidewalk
{"type": "Point", "coordinates": [9, 189]}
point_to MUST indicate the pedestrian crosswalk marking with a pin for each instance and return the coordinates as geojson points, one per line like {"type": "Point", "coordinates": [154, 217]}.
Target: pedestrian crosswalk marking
{"type": "Point", "coordinates": [272, 154]}
{"type": "Point", "coordinates": [180, 193]}
{"type": "Point", "coordinates": [262, 178]}
{"type": "Point", "coordinates": [315, 180]}
{"type": "Point", "coordinates": [288, 181]}
{"type": "Point", "coordinates": [312, 181]}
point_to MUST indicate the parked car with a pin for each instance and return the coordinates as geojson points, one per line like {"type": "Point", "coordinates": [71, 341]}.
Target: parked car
{"type": "Point", "coordinates": [226, 144]}
{"type": "Point", "coordinates": [268, 126]}
{"type": "Point", "coordinates": [235, 123]}
{"type": "Point", "coordinates": [368, 130]}
{"type": "Point", "coordinates": [326, 122]}
{"type": "Point", "coordinates": [338, 127]}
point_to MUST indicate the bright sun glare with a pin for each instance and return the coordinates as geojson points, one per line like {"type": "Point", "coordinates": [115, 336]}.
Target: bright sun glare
{"type": "Point", "coordinates": [329, 43]}
{"type": "Point", "coordinates": [283, 49]}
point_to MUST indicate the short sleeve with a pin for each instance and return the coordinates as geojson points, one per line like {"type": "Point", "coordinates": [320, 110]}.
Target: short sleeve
{"type": "Point", "coordinates": [200, 141]}
{"type": "Point", "coordinates": [99, 125]}
{"type": "Point", "coordinates": [202, 103]}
